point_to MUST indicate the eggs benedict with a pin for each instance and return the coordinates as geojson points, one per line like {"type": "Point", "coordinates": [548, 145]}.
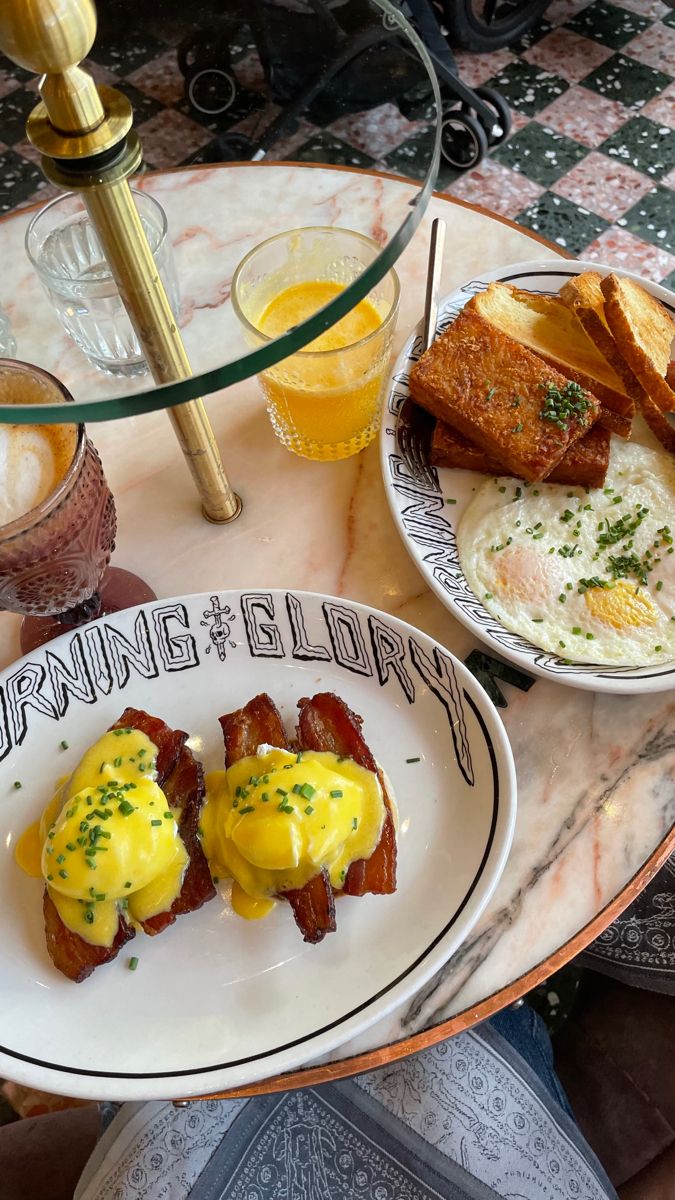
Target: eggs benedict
{"type": "Point", "coordinates": [117, 846]}
{"type": "Point", "coordinates": [298, 824]}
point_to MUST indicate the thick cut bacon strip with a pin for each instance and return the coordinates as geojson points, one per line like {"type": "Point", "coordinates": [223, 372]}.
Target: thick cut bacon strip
{"type": "Point", "coordinates": [314, 908]}
{"type": "Point", "coordinates": [184, 790]}
{"type": "Point", "coordinates": [327, 723]}
{"type": "Point", "coordinates": [181, 778]}
{"type": "Point", "coordinates": [257, 723]}
{"type": "Point", "coordinates": [70, 954]}
{"type": "Point", "coordinates": [169, 742]}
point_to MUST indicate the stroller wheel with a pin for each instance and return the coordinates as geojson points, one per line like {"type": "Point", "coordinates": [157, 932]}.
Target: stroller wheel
{"type": "Point", "coordinates": [212, 91]}
{"type": "Point", "coordinates": [490, 24]}
{"type": "Point", "coordinates": [463, 140]}
{"type": "Point", "coordinates": [501, 129]}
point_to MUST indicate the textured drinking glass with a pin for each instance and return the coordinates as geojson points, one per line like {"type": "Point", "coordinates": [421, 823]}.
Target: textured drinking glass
{"type": "Point", "coordinates": [54, 557]}
{"type": "Point", "coordinates": [323, 403]}
{"type": "Point", "coordinates": [63, 246]}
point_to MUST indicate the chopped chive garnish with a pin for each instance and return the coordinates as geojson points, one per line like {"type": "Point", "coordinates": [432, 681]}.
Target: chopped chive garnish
{"type": "Point", "coordinates": [451, 502]}
{"type": "Point", "coordinates": [117, 762]}
{"type": "Point", "coordinates": [658, 649]}
{"type": "Point", "coordinates": [296, 788]}
{"type": "Point", "coordinates": [133, 963]}
{"type": "Point", "coordinates": [125, 808]}
{"type": "Point", "coordinates": [659, 585]}
{"type": "Point", "coordinates": [247, 809]}
{"type": "Point", "coordinates": [70, 846]}
{"type": "Point", "coordinates": [64, 745]}
{"type": "Point", "coordinates": [17, 784]}
{"type": "Point", "coordinates": [335, 795]}
{"type": "Point", "coordinates": [155, 822]}
{"type": "Point", "coordinates": [355, 822]}
{"type": "Point", "coordinates": [63, 874]}
{"type": "Point", "coordinates": [168, 816]}
{"type": "Point", "coordinates": [100, 896]}
{"type": "Point", "coordinates": [307, 791]}
{"type": "Point", "coordinates": [412, 760]}
{"type": "Point", "coordinates": [128, 883]}
{"type": "Point", "coordinates": [265, 797]}
{"type": "Point", "coordinates": [282, 792]}
{"type": "Point", "coordinates": [50, 877]}
{"type": "Point", "coordinates": [309, 810]}
{"type": "Point", "coordinates": [89, 917]}
{"type": "Point", "coordinates": [141, 753]}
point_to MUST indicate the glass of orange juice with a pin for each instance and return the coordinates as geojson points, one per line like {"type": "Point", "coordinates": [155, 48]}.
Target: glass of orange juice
{"type": "Point", "coordinates": [325, 400]}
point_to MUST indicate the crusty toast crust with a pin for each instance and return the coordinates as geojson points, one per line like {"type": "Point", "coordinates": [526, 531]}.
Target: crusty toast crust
{"type": "Point", "coordinates": [549, 328]}
{"type": "Point", "coordinates": [583, 294]}
{"type": "Point", "coordinates": [492, 389]}
{"type": "Point", "coordinates": [615, 423]}
{"type": "Point", "coordinates": [584, 465]}
{"type": "Point", "coordinates": [643, 331]}
{"type": "Point", "coordinates": [658, 422]}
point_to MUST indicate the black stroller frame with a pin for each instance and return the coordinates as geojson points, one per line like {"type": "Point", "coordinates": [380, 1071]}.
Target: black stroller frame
{"type": "Point", "coordinates": [474, 119]}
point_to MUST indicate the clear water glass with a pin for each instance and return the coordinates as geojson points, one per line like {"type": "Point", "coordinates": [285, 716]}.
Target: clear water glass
{"type": "Point", "coordinates": [7, 339]}
{"type": "Point", "coordinates": [64, 248]}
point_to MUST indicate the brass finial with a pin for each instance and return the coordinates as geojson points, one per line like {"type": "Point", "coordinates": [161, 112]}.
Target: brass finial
{"type": "Point", "coordinates": [51, 37]}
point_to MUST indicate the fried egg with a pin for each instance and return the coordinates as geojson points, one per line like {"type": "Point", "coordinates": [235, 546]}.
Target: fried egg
{"type": "Point", "coordinates": [586, 574]}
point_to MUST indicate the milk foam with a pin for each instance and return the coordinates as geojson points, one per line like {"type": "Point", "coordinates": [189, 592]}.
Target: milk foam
{"type": "Point", "coordinates": [33, 460]}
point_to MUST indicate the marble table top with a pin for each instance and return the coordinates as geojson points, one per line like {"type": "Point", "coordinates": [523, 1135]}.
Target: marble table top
{"type": "Point", "coordinates": [595, 773]}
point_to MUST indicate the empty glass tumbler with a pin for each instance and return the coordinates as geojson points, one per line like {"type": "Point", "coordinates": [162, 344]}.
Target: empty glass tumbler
{"type": "Point", "coordinates": [64, 248]}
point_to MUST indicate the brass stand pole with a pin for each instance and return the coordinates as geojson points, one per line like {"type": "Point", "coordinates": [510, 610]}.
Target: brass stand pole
{"type": "Point", "coordinates": [88, 145]}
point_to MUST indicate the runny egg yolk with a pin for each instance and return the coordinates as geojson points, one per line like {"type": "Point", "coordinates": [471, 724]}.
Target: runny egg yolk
{"type": "Point", "coordinates": [621, 606]}
{"type": "Point", "coordinates": [273, 820]}
{"type": "Point", "coordinates": [108, 840]}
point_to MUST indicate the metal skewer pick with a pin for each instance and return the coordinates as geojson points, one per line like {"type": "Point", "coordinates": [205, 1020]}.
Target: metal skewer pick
{"type": "Point", "coordinates": [433, 282]}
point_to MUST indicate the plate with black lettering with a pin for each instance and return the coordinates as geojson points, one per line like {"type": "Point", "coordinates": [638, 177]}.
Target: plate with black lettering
{"type": "Point", "coordinates": [528, 596]}
{"type": "Point", "coordinates": [216, 1001]}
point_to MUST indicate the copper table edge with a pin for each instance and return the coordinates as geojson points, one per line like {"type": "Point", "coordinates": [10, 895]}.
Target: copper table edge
{"type": "Point", "coordinates": [372, 1059]}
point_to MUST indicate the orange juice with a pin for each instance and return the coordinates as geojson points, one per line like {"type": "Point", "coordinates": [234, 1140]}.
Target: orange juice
{"type": "Point", "coordinates": [324, 402]}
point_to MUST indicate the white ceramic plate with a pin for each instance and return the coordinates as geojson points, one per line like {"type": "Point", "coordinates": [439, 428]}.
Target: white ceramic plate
{"type": "Point", "coordinates": [417, 494]}
{"type": "Point", "coordinates": [217, 1001]}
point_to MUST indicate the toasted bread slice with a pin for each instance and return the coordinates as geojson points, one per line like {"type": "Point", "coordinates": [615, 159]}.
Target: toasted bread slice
{"type": "Point", "coordinates": [615, 423]}
{"type": "Point", "coordinates": [643, 330]}
{"type": "Point", "coordinates": [584, 465]}
{"type": "Point", "coordinates": [548, 327]}
{"type": "Point", "coordinates": [583, 294]}
{"type": "Point", "coordinates": [493, 390]}
{"type": "Point", "coordinates": [658, 422]}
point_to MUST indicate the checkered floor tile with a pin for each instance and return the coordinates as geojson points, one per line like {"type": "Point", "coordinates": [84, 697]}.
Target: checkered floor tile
{"type": "Point", "coordinates": [590, 162]}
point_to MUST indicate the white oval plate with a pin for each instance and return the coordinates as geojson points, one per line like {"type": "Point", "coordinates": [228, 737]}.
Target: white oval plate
{"type": "Point", "coordinates": [417, 494]}
{"type": "Point", "coordinates": [216, 1001]}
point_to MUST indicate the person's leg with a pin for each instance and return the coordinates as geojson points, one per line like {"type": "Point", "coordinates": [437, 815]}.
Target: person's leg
{"type": "Point", "coordinates": [524, 1029]}
{"type": "Point", "coordinates": [42, 1158]}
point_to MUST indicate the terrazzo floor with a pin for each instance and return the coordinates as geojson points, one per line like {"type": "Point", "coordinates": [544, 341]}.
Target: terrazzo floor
{"type": "Point", "coordinates": [590, 162]}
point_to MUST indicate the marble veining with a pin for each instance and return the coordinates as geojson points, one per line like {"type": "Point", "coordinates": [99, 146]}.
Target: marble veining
{"type": "Point", "coordinates": [595, 772]}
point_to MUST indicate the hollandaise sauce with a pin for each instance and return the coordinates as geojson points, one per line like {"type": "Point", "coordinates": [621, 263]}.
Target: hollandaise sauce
{"type": "Point", "coordinates": [273, 820]}
{"type": "Point", "coordinates": [108, 841]}
{"type": "Point", "coordinates": [324, 402]}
